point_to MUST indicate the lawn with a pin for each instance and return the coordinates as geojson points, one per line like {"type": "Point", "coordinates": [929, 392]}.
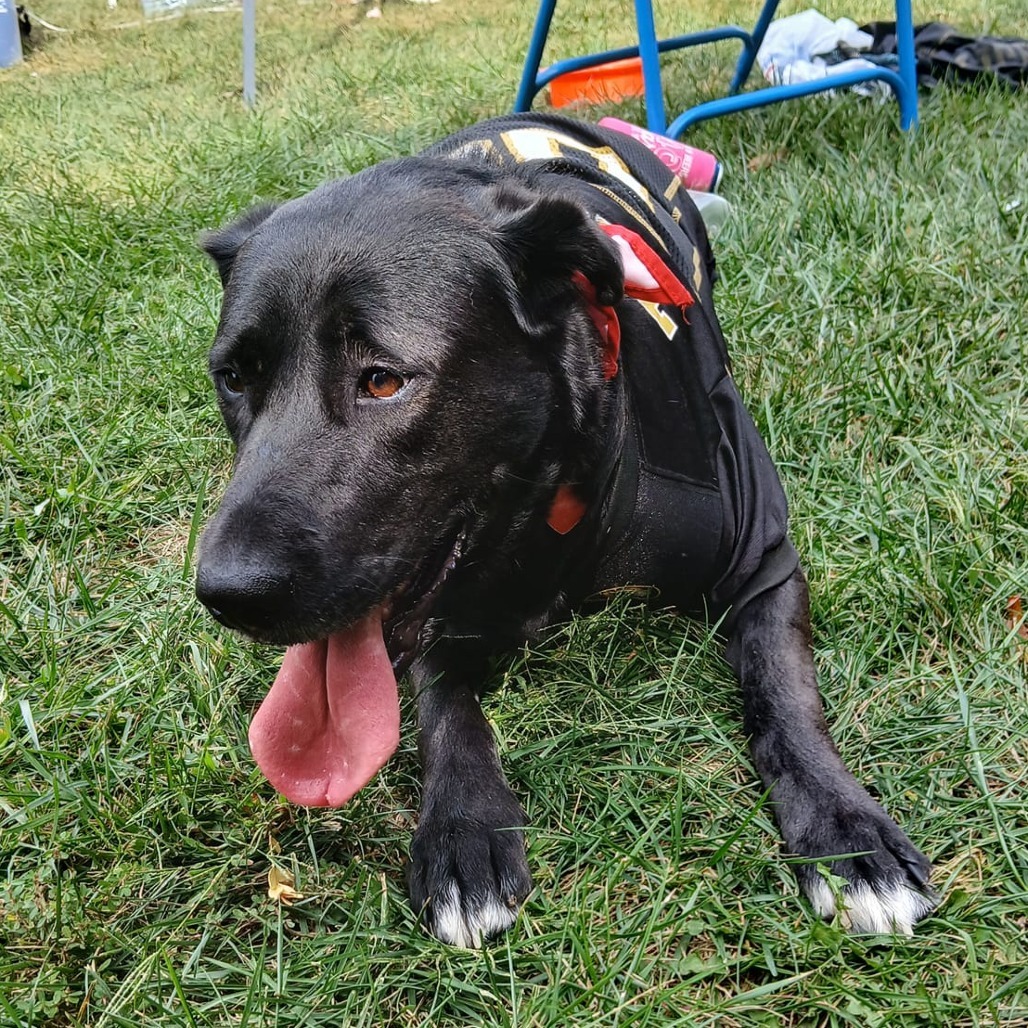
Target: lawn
{"type": "Point", "coordinates": [874, 291]}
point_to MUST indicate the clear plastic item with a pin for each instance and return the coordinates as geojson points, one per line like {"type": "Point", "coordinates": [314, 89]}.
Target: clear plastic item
{"type": "Point", "coordinates": [714, 210]}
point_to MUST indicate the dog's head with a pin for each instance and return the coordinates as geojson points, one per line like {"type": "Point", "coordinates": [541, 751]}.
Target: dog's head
{"type": "Point", "coordinates": [407, 369]}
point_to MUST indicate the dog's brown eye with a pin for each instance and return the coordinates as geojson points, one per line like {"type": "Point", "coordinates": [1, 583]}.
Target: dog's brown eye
{"type": "Point", "coordinates": [380, 383]}
{"type": "Point", "coordinates": [230, 381]}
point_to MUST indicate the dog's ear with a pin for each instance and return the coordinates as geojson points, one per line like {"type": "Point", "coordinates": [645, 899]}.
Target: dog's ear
{"type": "Point", "coordinates": [546, 239]}
{"type": "Point", "coordinates": [223, 244]}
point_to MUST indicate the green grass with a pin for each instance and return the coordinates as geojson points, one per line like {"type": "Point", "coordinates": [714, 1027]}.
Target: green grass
{"type": "Point", "coordinates": [873, 291]}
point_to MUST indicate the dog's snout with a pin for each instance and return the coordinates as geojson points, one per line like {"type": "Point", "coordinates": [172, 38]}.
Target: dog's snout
{"type": "Point", "coordinates": [241, 595]}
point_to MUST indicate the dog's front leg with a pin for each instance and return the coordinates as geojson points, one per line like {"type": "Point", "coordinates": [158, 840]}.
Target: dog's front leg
{"type": "Point", "coordinates": [468, 873]}
{"type": "Point", "coordinates": [822, 810]}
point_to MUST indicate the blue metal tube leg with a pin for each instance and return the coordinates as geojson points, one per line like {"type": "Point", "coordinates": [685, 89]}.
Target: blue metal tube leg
{"type": "Point", "coordinates": [656, 118]}
{"type": "Point", "coordinates": [529, 87]}
{"type": "Point", "coordinates": [749, 53]}
{"type": "Point", "coordinates": [907, 95]}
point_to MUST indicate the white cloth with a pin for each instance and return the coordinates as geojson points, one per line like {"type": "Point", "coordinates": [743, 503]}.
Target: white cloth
{"type": "Point", "coordinates": [791, 47]}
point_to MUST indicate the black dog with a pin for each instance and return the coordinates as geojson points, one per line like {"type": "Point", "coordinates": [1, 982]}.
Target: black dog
{"type": "Point", "coordinates": [442, 448]}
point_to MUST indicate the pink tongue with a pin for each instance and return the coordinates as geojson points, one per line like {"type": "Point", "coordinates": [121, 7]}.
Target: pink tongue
{"type": "Point", "coordinates": [331, 719]}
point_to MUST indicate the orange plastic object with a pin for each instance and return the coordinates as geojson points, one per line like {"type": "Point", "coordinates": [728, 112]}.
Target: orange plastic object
{"type": "Point", "coordinates": [604, 83]}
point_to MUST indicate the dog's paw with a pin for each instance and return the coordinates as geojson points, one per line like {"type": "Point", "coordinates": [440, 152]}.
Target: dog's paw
{"type": "Point", "coordinates": [468, 879]}
{"type": "Point", "coordinates": [882, 908]}
{"type": "Point", "coordinates": [879, 884]}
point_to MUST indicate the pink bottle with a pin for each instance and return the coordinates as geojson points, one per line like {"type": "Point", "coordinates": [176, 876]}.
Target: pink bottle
{"type": "Point", "coordinates": [696, 168]}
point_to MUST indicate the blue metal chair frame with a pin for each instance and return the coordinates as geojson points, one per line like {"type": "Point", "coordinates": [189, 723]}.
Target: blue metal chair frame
{"type": "Point", "coordinates": [649, 49]}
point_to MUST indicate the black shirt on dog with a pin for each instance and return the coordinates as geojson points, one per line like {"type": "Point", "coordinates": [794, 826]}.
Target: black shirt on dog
{"type": "Point", "coordinates": [702, 497]}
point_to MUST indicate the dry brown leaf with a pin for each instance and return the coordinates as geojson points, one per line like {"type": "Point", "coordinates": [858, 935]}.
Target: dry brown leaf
{"type": "Point", "coordinates": [761, 161]}
{"type": "Point", "coordinates": [280, 885]}
{"type": "Point", "coordinates": [1015, 618]}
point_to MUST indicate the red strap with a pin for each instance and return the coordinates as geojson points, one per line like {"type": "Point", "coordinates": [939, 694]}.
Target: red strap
{"type": "Point", "coordinates": [606, 321]}
{"type": "Point", "coordinates": [566, 510]}
{"type": "Point", "coordinates": [668, 289]}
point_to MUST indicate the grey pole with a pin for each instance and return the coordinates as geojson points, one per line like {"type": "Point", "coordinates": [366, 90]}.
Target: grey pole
{"type": "Point", "coordinates": [249, 52]}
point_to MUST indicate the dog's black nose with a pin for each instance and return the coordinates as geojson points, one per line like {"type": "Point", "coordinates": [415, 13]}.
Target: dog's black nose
{"type": "Point", "coordinates": [252, 599]}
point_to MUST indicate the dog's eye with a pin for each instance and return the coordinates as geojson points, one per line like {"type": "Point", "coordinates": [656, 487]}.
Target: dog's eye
{"type": "Point", "coordinates": [229, 381]}
{"type": "Point", "coordinates": [380, 383]}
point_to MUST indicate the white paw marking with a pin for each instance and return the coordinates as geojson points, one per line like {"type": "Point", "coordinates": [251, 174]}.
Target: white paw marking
{"type": "Point", "coordinates": [468, 930]}
{"type": "Point", "coordinates": [893, 911]}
